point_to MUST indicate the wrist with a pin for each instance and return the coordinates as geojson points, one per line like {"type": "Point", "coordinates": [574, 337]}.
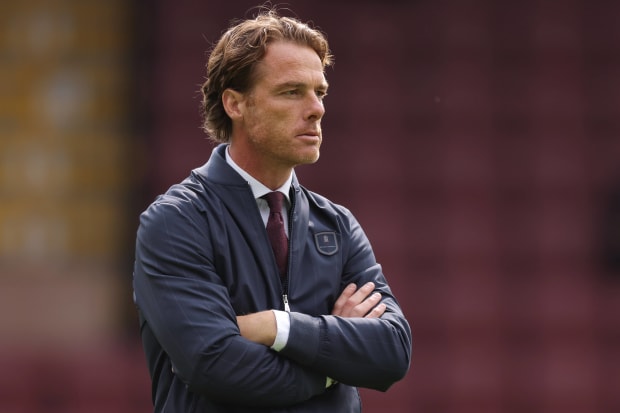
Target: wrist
{"type": "Point", "coordinates": [258, 327]}
{"type": "Point", "coordinates": [283, 326]}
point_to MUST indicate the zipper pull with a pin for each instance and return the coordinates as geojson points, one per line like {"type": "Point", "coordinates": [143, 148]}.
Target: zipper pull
{"type": "Point", "coordinates": [286, 306]}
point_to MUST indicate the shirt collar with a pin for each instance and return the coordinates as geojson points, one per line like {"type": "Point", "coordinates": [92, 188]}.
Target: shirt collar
{"type": "Point", "coordinates": [258, 189]}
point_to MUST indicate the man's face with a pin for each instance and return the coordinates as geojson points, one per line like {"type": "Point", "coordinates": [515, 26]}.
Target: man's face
{"type": "Point", "coordinates": [283, 110]}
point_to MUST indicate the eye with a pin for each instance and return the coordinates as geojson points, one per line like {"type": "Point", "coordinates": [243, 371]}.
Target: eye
{"type": "Point", "coordinates": [321, 94]}
{"type": "Point", "coordinates": [291, 92]}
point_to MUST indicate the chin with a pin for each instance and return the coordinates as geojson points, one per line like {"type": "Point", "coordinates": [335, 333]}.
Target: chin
{"type": "Point", "coordinates": [310, 157]}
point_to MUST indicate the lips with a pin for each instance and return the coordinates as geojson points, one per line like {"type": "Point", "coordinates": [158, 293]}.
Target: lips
{"type": "Point", "coordinates": [310, 133]}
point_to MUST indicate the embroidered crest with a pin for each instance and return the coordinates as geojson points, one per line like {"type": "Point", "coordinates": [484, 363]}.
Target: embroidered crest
{"type": "Point", "coordinates": [326, 242]}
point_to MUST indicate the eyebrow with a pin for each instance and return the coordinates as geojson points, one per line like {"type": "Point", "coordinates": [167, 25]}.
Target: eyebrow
{"type": "Point", "coordinates": [285, 85]}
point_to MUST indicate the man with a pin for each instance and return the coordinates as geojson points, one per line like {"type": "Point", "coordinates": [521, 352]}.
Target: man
{"type": "Point", "coordinates": [234, 322]}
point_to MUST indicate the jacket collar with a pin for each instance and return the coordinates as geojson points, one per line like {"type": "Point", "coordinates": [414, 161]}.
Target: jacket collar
{"type": "Point", "coordinates": [218, 171]}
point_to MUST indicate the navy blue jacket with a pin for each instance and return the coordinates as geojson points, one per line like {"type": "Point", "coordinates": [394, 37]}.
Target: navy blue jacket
{"type": "Point", "coordinates": [203, 257]}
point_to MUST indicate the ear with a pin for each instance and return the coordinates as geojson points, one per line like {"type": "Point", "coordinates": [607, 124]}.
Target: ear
{"type": "Point", "coordinates": [233, 103]}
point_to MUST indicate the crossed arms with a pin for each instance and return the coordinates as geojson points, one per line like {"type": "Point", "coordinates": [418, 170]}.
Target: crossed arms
{"type": "Point", "coordinates": [364, 342]}
{"type": "Point", "coordinates": [353, 302]}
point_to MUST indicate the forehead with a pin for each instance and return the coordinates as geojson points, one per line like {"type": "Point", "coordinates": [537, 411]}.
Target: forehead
{"type": "Point", "coordinates": [288, 61]}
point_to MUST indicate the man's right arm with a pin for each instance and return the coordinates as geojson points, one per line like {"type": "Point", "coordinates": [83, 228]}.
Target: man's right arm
{"type": "Point", "coordinates": [188, 308]}
{"type": "Point", "coordinates": [262, 328]}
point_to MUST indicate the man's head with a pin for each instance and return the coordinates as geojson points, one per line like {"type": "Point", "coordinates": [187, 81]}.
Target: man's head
{"type": "Point", "coordinates": [233, 61]}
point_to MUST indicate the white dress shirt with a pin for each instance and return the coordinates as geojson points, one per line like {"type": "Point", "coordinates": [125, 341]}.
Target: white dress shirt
{"type": "Point", "coordinates": [283, 321]}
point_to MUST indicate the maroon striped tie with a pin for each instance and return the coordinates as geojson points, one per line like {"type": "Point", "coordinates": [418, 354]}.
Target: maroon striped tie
{"type": "Point", "coordinates": [275, 230]}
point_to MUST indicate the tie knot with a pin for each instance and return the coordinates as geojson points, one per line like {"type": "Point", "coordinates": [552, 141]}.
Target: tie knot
{"type": "Point", "coordinates": [274, 200]}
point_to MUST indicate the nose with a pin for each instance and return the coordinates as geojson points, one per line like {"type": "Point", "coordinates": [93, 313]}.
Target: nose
{"type": "Point", "coordinates": [316, 108]}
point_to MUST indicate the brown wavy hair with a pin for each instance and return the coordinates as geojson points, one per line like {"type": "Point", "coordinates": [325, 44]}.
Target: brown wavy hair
{"type": "Point", "coordinates": [234, 57]}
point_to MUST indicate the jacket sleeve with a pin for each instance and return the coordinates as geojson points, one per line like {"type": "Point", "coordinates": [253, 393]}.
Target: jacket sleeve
{"type": "Point", "coordinates": [371, 353]}
{"type": "Point", "coordinates": [188, 308]}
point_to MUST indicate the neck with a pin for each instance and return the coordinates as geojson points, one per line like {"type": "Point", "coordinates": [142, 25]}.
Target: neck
{"type": "Point", "coordinates": [269, 173]}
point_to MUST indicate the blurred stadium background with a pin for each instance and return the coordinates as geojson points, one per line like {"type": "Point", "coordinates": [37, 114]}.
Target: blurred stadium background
{"type": "Point", "coordinates": [492, 128]}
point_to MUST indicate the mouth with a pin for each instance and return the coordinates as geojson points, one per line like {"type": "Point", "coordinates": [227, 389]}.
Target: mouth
{"type": "Point", "coordinates": [310, 134]}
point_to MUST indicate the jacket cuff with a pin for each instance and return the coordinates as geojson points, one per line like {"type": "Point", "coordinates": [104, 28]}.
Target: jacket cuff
{"type": "Point", "coordinates": [304, 338]}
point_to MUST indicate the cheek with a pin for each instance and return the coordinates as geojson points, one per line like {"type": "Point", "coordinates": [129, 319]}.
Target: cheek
{"type": "Point", "coordinates": [271, 122]}
{"type": "Point", "coordinates": [277, 123]}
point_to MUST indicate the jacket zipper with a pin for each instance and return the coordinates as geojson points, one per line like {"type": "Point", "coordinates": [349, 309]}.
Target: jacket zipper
{"type": "Point", "coordinates": [285, 280]}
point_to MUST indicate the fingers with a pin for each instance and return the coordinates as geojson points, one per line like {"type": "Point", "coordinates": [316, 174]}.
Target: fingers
{"type": "Point", "coordinates": [361, 309]}
{"type": "Point", "coordinates": [377, 311]}
{"type": "Point", "coordinates": [360, 302]}
{"type": "Point", "coordinates": [343, 299]}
